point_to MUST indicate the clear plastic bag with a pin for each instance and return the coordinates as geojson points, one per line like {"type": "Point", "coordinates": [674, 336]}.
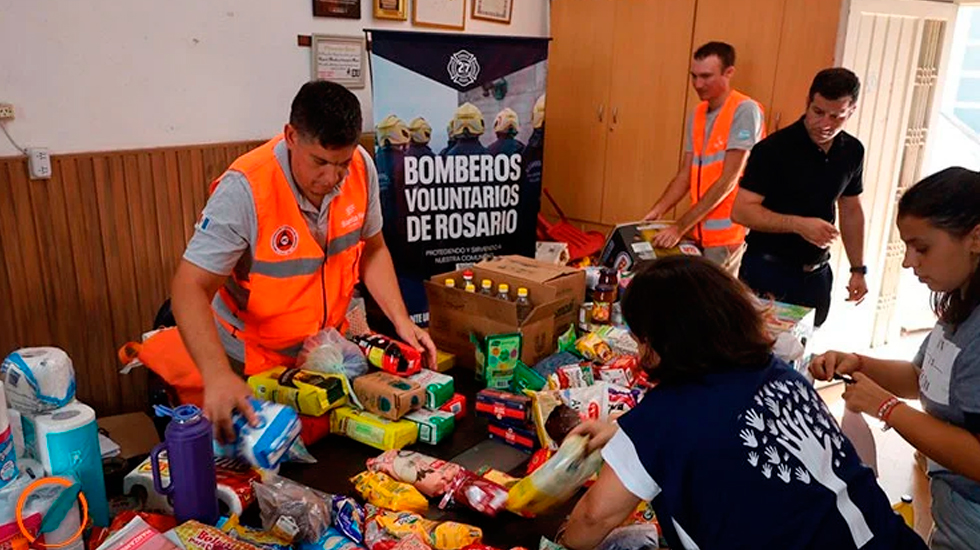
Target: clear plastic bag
{"type": "Point", "coordinates": [330, 353]}
{"type": "Point", "coordinates": [291, 510]}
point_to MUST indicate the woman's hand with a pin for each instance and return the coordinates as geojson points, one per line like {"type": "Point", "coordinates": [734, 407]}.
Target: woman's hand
{"type": "Point", "coordinates": [824, 367]}
{"type": "Point", "coordinates": [865, 396]}
{"type": "Point", "coordinates": [598, 432]}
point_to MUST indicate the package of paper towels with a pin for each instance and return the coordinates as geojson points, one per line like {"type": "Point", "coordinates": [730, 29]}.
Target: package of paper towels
{"type": "Point", "coordinates": [67, 442]}
{"type": "Point", "coordinates": [38, 379]}
{"type": "Point", "coordinates": [8, 451]}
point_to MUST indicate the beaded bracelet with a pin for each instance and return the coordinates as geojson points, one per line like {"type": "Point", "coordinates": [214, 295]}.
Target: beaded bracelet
{"type": "Point", "coordinates": [885, 410]}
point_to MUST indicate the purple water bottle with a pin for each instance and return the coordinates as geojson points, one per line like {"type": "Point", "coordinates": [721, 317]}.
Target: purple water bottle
{"type": "Point", "coordinates": [193, 488]}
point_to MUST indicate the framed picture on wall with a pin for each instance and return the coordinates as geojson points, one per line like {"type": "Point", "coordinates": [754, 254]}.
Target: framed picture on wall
{"type": "Point", "coordinates": [498, 11]}
{"type": "Point", "coordinates": [441, 14]}
{"type": "Point", "coordinates": [347, 9]}
{"type": "Point", "coordinates": [391, 9]}
{"type": "Point", "coordinates": [339, 59]}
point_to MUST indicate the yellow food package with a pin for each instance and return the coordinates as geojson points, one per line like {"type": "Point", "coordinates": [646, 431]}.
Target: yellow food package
{"type": "Point", "coordinates": [500, 478]}
{"type": "Point", "coordinates": [383, 491]}
{"type": "Point", "coordinates": [594, 348]}
{"type": "Point", "coordinates": [308, 392]}
{"type": "Point", "coordinates": [557, 480]}
{"type": "Point", "coordinates": [454, 536]}
{"type": "Point", "coordinates": [404, 524]}
{"type": "Point", "coordinates": [542, 404]}
{"type": "Point", "coordinates": [373, 430]}
{"type": "Point", "coordinates": [195, 535]}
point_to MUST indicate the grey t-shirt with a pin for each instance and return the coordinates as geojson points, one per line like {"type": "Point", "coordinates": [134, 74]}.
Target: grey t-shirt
{"type": "Point", "coordinates": [949, 385]}
{"type": "Point", "coordinates": [228, 226]}
{"type": "Point", "coordinates": [745, 132]}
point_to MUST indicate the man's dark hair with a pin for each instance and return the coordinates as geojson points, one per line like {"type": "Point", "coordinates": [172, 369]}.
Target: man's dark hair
{"type": "Point", "coordinates": [949, 200]}
{"type": "Point", "coordinates": [327, 112]}
{"type": "Point", "coordinates": [697, 318]}
{"type": "Point", "coordinates": [836, 83]}
{"type": "Point", "coordinates": [724, 52]}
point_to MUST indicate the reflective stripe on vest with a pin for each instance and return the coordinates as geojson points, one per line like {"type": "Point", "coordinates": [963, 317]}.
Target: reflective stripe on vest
{"type": "Point", "coordinates": [293, 288]}
{"type": "Point", "coordinates": [717, 229]}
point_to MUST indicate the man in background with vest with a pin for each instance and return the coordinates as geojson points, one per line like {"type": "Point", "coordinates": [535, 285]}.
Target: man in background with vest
{"type": "Point", "coordinates": [794, 184]}
{"type": "Point", "coordinates": [289, 230]}
{"type": "Point", "coordinates": [720, 133]}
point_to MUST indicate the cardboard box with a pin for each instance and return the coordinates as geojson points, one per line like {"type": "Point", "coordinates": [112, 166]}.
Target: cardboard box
{"type": "Point", "coordinates": [434, 426]}
{"type": "Point", "coordinates": [133, 432]}
{"type": "Point", "coordinates": [504, 407]}
{"type": "Point", "coordinates": [629, 245]}
{"type": "Point", "coordinates": [439, 388]}
{"type": "Point", "coordinates": [373, 430]}
{"type": "Point", "coordinates": [456, 405]}
{"type": "Point", "coordinates": [555, 291]}
{"type": "Point", "coordinates": [524, 439]}
{"type": "Point", "coordinates": [387, 395]}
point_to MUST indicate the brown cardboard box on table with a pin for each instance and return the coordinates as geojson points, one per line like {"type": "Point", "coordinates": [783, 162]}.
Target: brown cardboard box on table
{"type": "Point", "coordinates": [555, 291]}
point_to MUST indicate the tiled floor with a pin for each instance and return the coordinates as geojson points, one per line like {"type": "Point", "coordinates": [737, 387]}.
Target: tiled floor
{"type": "Point", "coordinates": [898, 473]}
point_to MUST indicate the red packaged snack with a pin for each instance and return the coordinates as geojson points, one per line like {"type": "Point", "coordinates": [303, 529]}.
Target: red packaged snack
{"type": "Point", "coordinates": [313, 428]}
{"type": "Point", "coordinates": [502, 406]}
{"type": "Point", "coordinates": [412, 542]}
{"type": "Point", "coordinates": [456, 405]}
{"type": "Point", "coordinates": [476, 493]}
{"type": "Point", "coordinates": [619, 371]}
{"type": "Point", "coordinates": [538, 459]}
{"type": "Point", "coordinates": [162, 523]}
{"type": "Point", "coordinates": [389, 355]}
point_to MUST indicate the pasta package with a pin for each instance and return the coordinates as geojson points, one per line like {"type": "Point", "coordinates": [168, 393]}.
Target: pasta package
{"type": "Point", "coordinates": [381, 490]}
{"type": "Point", "coordinates": [429, 475]}
{"type": "Point", "coordinates": [555, 482]}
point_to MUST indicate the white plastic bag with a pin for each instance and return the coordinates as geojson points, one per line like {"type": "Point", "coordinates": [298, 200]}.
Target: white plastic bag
{"type": "Point", "coordinates": [330, 353]}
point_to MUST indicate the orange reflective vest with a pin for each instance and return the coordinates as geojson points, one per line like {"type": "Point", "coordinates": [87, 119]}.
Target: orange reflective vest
{"type": "Point", "coordinates": [292, 288]}
{"type": "Point", "coordinates": [717, 229]}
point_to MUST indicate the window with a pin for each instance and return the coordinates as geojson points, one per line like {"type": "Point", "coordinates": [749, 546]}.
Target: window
{"type": "Point", "coordinates": [965, 106]}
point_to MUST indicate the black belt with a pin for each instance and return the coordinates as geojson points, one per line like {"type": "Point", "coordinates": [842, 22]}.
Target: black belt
{"type": "Point", "coordinates": [806, 268]}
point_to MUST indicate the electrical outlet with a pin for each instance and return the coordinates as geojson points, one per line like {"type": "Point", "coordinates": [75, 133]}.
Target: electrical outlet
{"type": "Point", "coordinates": [6, 111]}
{"type": "Point", "coordinates": [39, 162]}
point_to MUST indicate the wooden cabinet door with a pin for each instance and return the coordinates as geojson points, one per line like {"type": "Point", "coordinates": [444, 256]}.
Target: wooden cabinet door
{"type": "Point", "coordinates": [809, 39]}
{"type": "Point", "coordinates": [579, 64]}
{"type": "Point", "coordinates": [753, 28]}
{"type": "Point", "coordinates": [649, 83]}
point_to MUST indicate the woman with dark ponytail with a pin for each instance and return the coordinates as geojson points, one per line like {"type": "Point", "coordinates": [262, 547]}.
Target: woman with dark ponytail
{"type": "Point", "coordinates": [939, 220]}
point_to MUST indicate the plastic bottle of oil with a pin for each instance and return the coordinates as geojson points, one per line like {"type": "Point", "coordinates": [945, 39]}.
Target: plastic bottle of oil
{"type": "Point", "coordinates": [524, 306]}
{"type": "Point", "coordinates": [486, 287]}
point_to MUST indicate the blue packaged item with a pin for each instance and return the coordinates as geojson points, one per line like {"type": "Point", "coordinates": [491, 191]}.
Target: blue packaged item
{"type": "Point", "coordinates": [268, 444]}
{"type": "Point", "coordinates": [348, 518]}
{"type": "Point", "coordinates": [332, 539]}
{"type": "Point", "coordinates": [550, 365]}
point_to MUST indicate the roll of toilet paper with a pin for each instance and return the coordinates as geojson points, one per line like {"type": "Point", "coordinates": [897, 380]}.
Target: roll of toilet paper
{"type": "Point", "coordinates": [68, 527]}
{"type": "Point", "coordinates": [8, 453]}
{"type": "Point", "coordinates": [38, 379]}
{"type": "Point", "coordinates": [234, 486]}
{"type": "Point", "coordinates": [68, 443]}
{"type": "Point", "coordinates": [17, 430]}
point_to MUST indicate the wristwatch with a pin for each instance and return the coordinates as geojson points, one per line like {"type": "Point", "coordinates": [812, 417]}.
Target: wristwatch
{"type": "Point", "coordinates": [862, 269]}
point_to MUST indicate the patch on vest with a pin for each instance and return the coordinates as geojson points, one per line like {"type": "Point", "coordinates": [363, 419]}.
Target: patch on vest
{"type": "Point", "coordinates": [285, 240]}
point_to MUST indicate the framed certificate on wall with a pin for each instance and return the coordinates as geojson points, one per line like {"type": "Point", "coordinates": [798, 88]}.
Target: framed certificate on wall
{"type": "Point", "coordinates": [396, 10]}
{"type": "Point", "coordinates": [347, 9]}
{"type": "Point", "coordinates": [441, 14]}
{"type": "Point", "coordinates": [498, 11]}
{"type": "Point", "coordinates": [339, 59]}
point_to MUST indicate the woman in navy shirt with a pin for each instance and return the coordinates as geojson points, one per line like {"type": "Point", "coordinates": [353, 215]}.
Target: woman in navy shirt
{"type": "Point", "coordinates": [733, 447]}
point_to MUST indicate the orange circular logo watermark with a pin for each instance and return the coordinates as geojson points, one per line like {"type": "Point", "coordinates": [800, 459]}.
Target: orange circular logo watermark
{"type": "Point", "coordinates": [23, 500]}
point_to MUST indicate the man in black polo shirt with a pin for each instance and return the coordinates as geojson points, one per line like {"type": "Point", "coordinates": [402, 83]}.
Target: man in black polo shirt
{"type": "Point", "coordinates": [794, 183]}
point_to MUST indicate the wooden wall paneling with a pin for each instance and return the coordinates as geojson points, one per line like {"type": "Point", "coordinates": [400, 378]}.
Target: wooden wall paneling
{"type": "Point", "coordinates": [89, 250]}
{"type": "Point", "coordinates": [199, 191]}
{"type": "Point", "coordinates": [579, 65]}
{"type": "Point", "coordinates": [32, 297]}
{"type": "Point", "coordinates": [647, 99]}
{"type": "Point", "coordinates": [186, 183]}
{"type": "Point", "coordinates": [807, 43]}
{"type": "Point", "coordinates": [13, 259]}
{"type": "Point", "coordinates": [752, 27]}
{"type": "Point", "coordinates": [164, 225]}
{"type": "Point", "coordinates": [176, 230]}
{"type": "Point", "coordinates": [122, 292]}
{"type": "Point", "coordinates": [11, 331]}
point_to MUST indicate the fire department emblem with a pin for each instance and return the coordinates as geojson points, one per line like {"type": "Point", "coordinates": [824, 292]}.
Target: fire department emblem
{"type": "Point", "coordinates": [463, 68]}
{"type": "Point", "coordinates": [285, 240]}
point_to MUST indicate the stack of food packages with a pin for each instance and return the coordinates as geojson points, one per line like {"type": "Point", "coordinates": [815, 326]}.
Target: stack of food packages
{"type": "Point", "coordinates": [334, 390]}
{"type": "Point", "coordinates": [592, 376]}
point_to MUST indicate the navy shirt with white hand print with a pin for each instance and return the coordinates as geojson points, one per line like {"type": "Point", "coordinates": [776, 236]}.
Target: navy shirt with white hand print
{"type": "Point", "coordinates": [752, 459]}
